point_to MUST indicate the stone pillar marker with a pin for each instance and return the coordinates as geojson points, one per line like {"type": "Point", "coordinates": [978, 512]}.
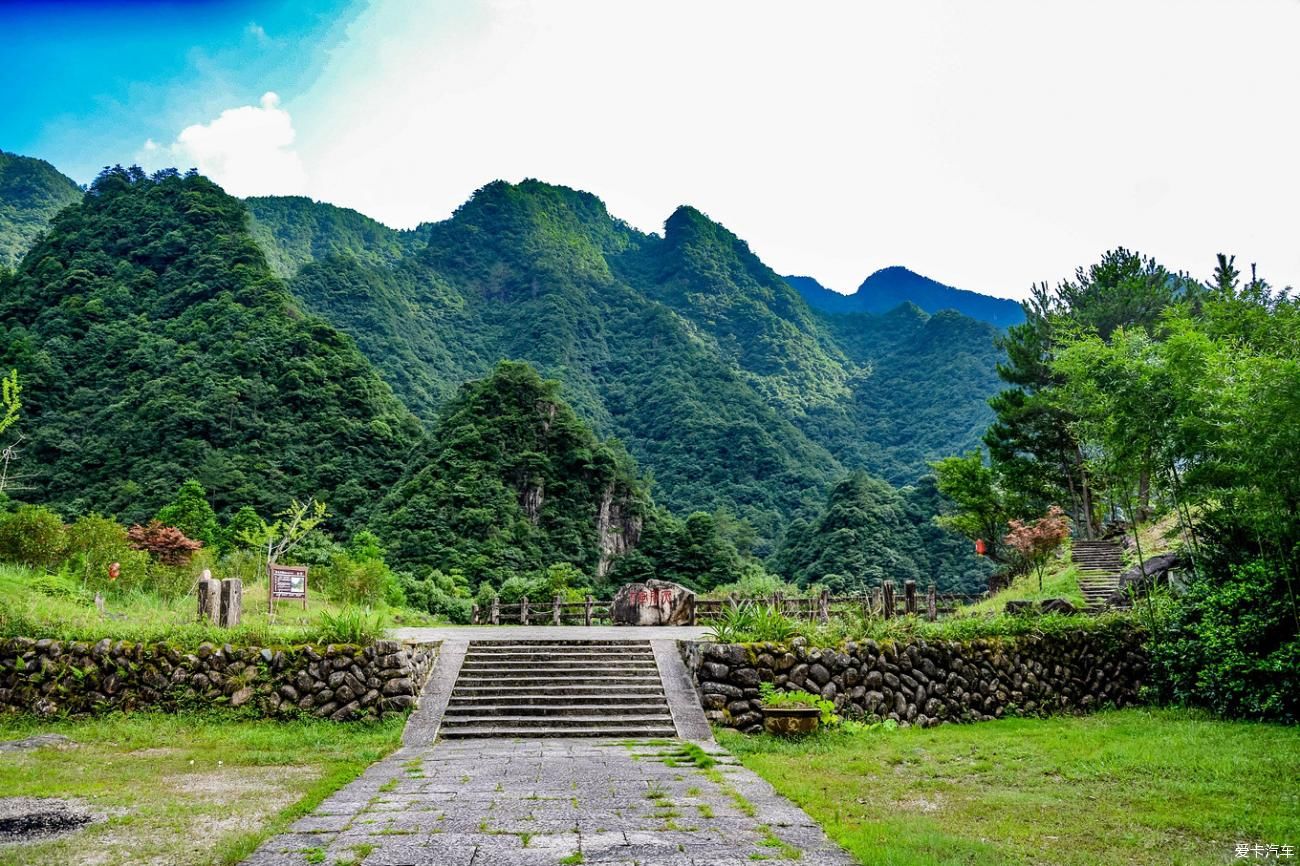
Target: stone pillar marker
{"type": "Point", "coordinates": [909, 596]}
{"type": "Point", "coordinates": [209, 597]}
{"type": "Point", "coordinates": [931, 604]}
{"type": "Point", "coordinates": [824, 606]}
{"type": "Point", "coordinates": [495, 615]}
{"type": "Point", "coordinates": [587, 615]}
{"type": "Point", "coordinates": [523, 610]}
{"type": "Point", "coordinates": [555, 609]}
{"type": "Point", "coordinates": [232, 601]}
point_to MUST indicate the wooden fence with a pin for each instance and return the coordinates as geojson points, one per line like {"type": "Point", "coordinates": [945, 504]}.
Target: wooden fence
{"type": "Point", "coordinates": [883, 601]}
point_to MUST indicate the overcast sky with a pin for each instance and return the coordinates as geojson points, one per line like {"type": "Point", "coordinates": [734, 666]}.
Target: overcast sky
{"type": "Point", "coordinates": [985, 144]}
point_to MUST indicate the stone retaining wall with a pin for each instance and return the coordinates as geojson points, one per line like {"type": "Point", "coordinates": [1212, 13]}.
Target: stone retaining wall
{"type": "Point", "coordinates": [925, 683]}
{"type": "Point", "coordinates": [338, 681]}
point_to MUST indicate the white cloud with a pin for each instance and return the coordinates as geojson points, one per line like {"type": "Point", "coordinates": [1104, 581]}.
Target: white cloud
{"type": "Point", "coordinates": [258, 32]}
{"type": "Point", "coordinates": [987, 145]}
{"type": "Point", "coordinates": [248, 150]}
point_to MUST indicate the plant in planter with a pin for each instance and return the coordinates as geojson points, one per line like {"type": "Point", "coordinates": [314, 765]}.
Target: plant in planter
{"type": "Point", "coordinates": [795, 712]}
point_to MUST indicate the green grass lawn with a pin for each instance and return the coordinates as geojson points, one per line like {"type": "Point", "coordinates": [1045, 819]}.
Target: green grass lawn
{"type": "Point", "coordinates": [36, 604]}
{"type": "Point", "coordinates": [1132, 786]}
{"type": "Point", "coordinates": [183, 790]}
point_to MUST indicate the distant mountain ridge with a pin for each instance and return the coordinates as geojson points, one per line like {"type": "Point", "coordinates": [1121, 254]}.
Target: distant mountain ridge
{"type": "Point", "coordinates": [31, 192]}
{"type": "Point", "coordinates": [889, 287]}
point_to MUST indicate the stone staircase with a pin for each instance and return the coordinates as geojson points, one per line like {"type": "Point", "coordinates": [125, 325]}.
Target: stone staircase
{"type": "Point", "coordinates": [558, 689]}
{"type": "Point", "coordinates": [1100, 564]}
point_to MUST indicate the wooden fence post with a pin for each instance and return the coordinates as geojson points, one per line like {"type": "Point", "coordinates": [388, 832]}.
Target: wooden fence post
{"type": "Point", "coordinates": [587, 614]}
{"type": "Point", "coordinates": [495, 614]}
{"type": "Point", "coordinates": [523, 610]}
{"type": "Point", "coordinates": [887, 599]}
{"type": "Point", "coordinates": [209, 600]}
{"type": "Point", "coordinates": [555, 609]}
{"type": "Point", "coordinates": [824, 606]}
{"type": "Point", "coordinates": [232, 601]}
{"type": "Point", "coordinates": [866, 604]}
{"type": "Point", "coordinates": [931, 604]}
{"type": "Point", "coordinates": [909, 596]}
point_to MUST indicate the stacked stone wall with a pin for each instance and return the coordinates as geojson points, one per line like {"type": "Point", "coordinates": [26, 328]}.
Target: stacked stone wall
{"type": "Point", "coordinates": [926, 683]}
{"type": "Point", "coordinates": [339, 681]}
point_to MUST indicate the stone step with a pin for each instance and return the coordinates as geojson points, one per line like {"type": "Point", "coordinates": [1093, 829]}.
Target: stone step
{"type": "Point", "coordinates": [523, 678]}
{"type": "Point", "coordinates": [559, 644]}
{"type": "Point", "coordinates": [574, 689]}
{"type": "Point", "coordinates": [642, 659]}
{"type": "Point", "coordinates": [559, 670]}
{"type": "Point", "coordinates": [638, 730]}
{"type": "Point", "coordinates": [587, 720]}
{"type": "Point", "coordinates": [523, 655]}
{"type": "Point", "coordinates": [457, 710]}
{"type": "Point", "coordinates": [539, 699]}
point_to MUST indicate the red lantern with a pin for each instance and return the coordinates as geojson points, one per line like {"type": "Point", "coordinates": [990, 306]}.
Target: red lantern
{"type": "Point", "coordinates": [980, 549]}
{"type": "Point", "coordinates": [114, 569]}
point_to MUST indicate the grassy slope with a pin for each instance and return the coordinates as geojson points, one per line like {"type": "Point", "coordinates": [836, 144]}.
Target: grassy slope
{"type": "Point", "coordinates": [1061, 580]}
{"type": "Point", "coordinates": [183, 790]}
{"type": "Point", "coordinates": [1131, 786]}
{"type": "Point", "coordinates": [144, 617]}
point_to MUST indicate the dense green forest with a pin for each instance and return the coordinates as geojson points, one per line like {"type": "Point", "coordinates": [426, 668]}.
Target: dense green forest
{"type": "Point", "coordinates": [155, 345]}
{"type": "Point", "coordinates": [714, 373]}
{"type": "Point", "coordinates": [1134, 392]}
{"type": "Point", "coordinates": [31, 192]}
{"type": "Point", "coordinates": [166, 331]}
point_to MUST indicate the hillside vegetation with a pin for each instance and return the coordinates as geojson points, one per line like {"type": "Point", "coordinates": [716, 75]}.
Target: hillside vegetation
{"type": "Point", "coordinates": [31, 192]}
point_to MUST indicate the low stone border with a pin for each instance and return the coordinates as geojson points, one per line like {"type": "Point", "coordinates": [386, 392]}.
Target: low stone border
{"type": "Point", "coordinates": [925, 683]}
{"type": "Point", "coordinates": [338, 681]}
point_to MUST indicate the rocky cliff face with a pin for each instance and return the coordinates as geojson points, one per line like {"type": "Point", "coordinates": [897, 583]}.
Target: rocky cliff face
{"type": "Point", "coordinates": [618, 530]}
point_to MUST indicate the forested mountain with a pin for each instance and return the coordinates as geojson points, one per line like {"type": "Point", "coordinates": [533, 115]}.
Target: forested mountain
{"type": "Point", "coordinates": [156, 345]}
{"type": "Point", "coordinates": [717, 376]}
{"type": "Point", "coordinates": [31, 192]}
{"type": "Point", "coordinates": [294, 230]}
{"type": "Point", "coordinates": [511, 482]}
{"type": "Point", "coordinates": [887, 288]}
{"type": "Point", "coordinates": [868, 531]}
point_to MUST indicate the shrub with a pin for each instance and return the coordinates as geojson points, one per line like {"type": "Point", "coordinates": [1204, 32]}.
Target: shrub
{"type": "Point", "coordinates": [354, 580]}
{"type": "Point", "coordinates": [1230, 644]}
{"type": "Point", "coordinates": [32, 536]}
{"type": "Point", "coordinates": [95, 543]}
{"type": "Point", "coordinates": [166, 544]}
{"type": "Point", "coordinates": [190, 512]}
{"type": "Point", "coordinates": [349, 625]}
{"type": "Point", "coordinates": [245, 525]}
{"type": "Point", "coordinates": [440, 594]}
{"type": "Point", "coordinates": [483, 598]}
{"type": "Point", "coordinates": [748, 622]}
{"type": "Point", "coordinates": [772, 697]}
{"type": "Point", "coordinates": [755, 583]}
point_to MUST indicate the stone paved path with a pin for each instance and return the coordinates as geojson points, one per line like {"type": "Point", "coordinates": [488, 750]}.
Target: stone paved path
{"type": "Point", "coordinates": [524, 802]}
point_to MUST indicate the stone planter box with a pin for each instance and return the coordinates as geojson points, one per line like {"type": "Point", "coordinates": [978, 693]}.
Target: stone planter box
{"type": "Point", "coordinates": [791, 721]}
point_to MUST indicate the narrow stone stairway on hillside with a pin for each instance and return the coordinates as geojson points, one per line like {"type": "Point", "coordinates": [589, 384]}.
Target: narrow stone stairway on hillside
{"type": "Point", "coordinates": [1100, 565]}
{"type": "Point", "coordinates": [558, 689]}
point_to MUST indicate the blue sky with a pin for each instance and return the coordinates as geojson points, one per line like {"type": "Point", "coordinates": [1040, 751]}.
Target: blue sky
{"type": "Point", "coordinates": [86, 83]}
{"type": "Point", "coordinates": [988, 145]}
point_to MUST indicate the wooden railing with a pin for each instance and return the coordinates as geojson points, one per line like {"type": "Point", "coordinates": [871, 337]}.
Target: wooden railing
{"type": "Point", "coordinates": [557, 612]}
{"type": "Point", "coordinates": [883, 601]}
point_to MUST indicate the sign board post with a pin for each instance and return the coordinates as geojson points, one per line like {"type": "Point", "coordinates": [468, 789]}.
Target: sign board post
{"type": "Point", "coordinates": [288, 581]}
